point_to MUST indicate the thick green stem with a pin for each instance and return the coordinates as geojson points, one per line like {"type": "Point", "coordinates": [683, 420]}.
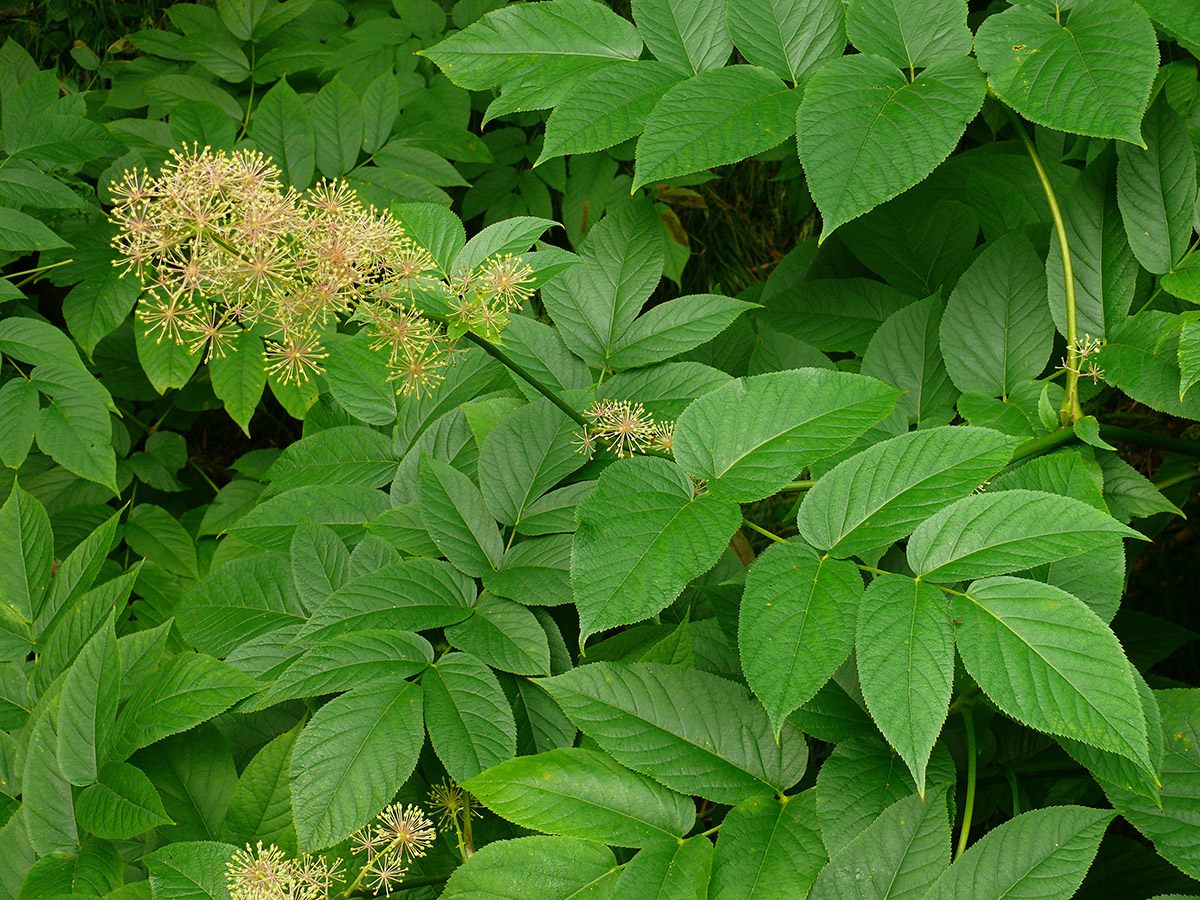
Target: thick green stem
{"type": "Point", "coordinates": [969, 805]}
{"type": "Point", "coordinates": [763, 531]}
{"type": "Point", "coordinates": [1071, 410]}
{"type": "Point", "coordinates": [1149, 439]}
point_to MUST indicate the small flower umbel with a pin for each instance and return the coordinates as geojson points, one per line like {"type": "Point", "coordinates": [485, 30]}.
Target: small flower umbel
{"type": "Point", "coordinates": [455, 809]}
{"type": "Point", "coordinates": [1087, 368]}
{"type": "Point", "coordinates": [265, 873]}
{"type": "Point", "coordinates": [625, 428]}
{"type": "Point", "coordinates": [398, 835]}
{"type": "Point", "coordinates": [221, 247]}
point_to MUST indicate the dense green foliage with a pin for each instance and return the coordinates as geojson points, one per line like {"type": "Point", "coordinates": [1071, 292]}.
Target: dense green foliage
{"type": "Point", "coordinates": [857, 584]}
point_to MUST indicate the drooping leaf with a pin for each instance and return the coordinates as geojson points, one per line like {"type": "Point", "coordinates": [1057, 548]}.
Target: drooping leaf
{"type": "Point", "coordinates": [997, 331]}
{"type": "Point", "coordinates": [27, 542]}
{"type": "Point", "coordinates": [470, 721]}
{"type": "Point", "coordinates": [628, 560]}
{"type": "Point", "coordinates": [19, 409]}
{"type": "Point", "coordinates": [905, 657]}
{"type": "Point", "coordinates": [751, 436]}
{"type": "Point", "coordinates": [1090, 75]}
{"type": "Point", "coordinates": [866, 133]}
{"type": "Point", "coordinates": [1047, 660]}
{"type": "Point", "coordinates": [796, 624]}
{"type": "Point", "coordinates": [352, 757]}
{"type": "Point", "coordinates": [238, 378]}
{"type": "Point", "coordinates": [584, 793]}
{"type": "Point", "coordinates": [1040, 853]}
{"type": "Point", "coordinates": [766, 842]}
{"type": "Point", "coordinates": [717, 117]}
{"type": "Point", "coordinates": [694, 732]}
{"type": "Point", "coordinates": [319, 563]}
{"type": "Point", "coordinates": [1156, 190]}
{"type": "Point", "coordinates": [344, 508]}
{"type": "Point", "coordinates": [899, 855]}
{"type": "Point", "coordinates": [879, 495]}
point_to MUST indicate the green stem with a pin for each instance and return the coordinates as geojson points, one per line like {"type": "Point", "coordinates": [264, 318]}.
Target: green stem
{"type": "Point", "coordinates": [37, 269]}
{"type": "Point", "coordinates": [1040, 445]}
{"type": "Point", "coordinates": [1071, 410]}
{"type": "Point", "coordinates": [1175, 480]}
{"type": "Point", "coordinates": [249, 102]}
{"type": "Point", "coordinates": [1158, 288]}
{"type": "Point", "coordinates": [496, 353]}
{"type": "Point", "coordinates": [763, 531]}
{"type": "Point", "coordinates": [1149, 439]}
{"type": "Point", "coordinates": [802, 485]}
{"type": "Point", "coordinates": [969, 805]}
{"type": "Point", "coordinates": [212, 484]}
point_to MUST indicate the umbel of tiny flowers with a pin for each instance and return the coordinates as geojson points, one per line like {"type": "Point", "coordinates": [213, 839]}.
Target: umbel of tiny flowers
{"type": "Point", "coordinates": [398, 835]}
{"type": "Point", "coordinates": [221, 247]}
{"type": "Point", "coordinates": [625, 428]}
{"type": "Point", "coordinates": [266, 873]}
{"type": "Point", "coordinates": [1087, 346]}
{"type": "Point", "coordinates": [455, 808]}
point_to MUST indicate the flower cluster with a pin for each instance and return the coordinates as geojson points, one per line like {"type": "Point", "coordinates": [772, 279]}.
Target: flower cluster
{"type": "Point", "coordinates": [455, 809]}
{"type": "Point", "coordinates": [265, 873]}
{"type": "Point", "coordinates": [1086, 368]}
{"type": "Point", "coordinates": [625, 428]}
{"type": "Point", "coordinates": [221, 247]}
{"type": "Point", "coordinates": [398, 835]}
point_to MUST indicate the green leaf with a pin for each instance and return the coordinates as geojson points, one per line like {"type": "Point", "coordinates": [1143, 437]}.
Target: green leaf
{"type": "Point", "coordinates": [45, 792]}
{"type": "Point", "coordinates": [900, 854]}
{"type": "Point", "coordinates": [563, 41]}
{"type": "Point", "coordinates": [523, 457]}
{"type": "Point", "coordinates": [88, 706]}
{"type": "Point", "coordinates": [28, 544]}
{"type": "Point", "coordinates": [505, 635]}
{"type": "Point", "coordinates": [261, 805]}
{"type": "Point", "coordinates": [1175, 825]}
{"type": "Point", "coordinates": [766, 842]}
{"type": "Point", "coordinates": [643, 535]}
{"type": "Point", "coordinates": [607, 108]}
{"type": "Point", "coordinates": [1156, 190]}
{"type": "Point", "coordinates": [238, 602]}
{"type": "Point", "coordinates": [241, 17]}
{"type": "Point", "coordinates": [470, 721]}
{"type": "Point", "coordinates": [166, 363]}
{"type": "Point", "coordinates": [29, 187]}
{"type": "Point", "coordinates": [319, 563]}
{"type": "Point", "coordinates": [190, 870]}
{"type": "Point", "coordinates": [879, 495]}
{"type": "Point", "coordinates": [188, 689]}
{"type": "Point", "coordinates": [996, 331]}
{"type": "Point", "coordinates": [413, 595]}
{"type": "Point", "coordinates": [95, 307]}
{"type": "Point", "coordinates": [454, 513]}
{"type": "Point", "coordinates": [1006, 531]}
{"type": "Point", "coordinates": [344, 508]}
{"type": "Point", "coordinates": [1041, 853]}
{"type": "Point", "coordinates": [862, 778]}
{"type": "Point", "coordinates": [1128, 493]}
{"type": "Point", "coordinates": [238, 378]}
{"type": "Point", "coordinates": [675, 327]}
{"type": "Point", "coordinates": [282, 130]}
{"type": "Point", "coordinates": [435, 228]}
{"type": "Point", "coordinates": [694, 732]}
{"type": "Point", "coordinates": [343, 454]}
{"type": "Point", "coordinates": [791, 38]}
{"type": "Point", "coordinates": [157, 535]}
{"type": "Point", "coordinates": [666, 389]}
{"type": "Point", "coordinates": [358, 380]}
{"type": "Point", "coordinates": [909, 34]}
{"type": "Point", "coordinates": [36, 342]}
{"type": "Point", "coordinates": [796, 624]}
{"type": "Point", "coordinates": [349, 661]}
{"type": "Point", "coordinates": [905, 657]}
{"type": "Point", "coordinates": [75, 429]}
{"type": "Point", "coordinates": [689, 36]}
{"type": "Point", "coordinates": [1089, 76]}
{"type": "Point", "coordinates": [837, 314]}
{"type": "Point", "coordinates": [904, 353]}
{"type": "Point", "coordinates": [338, 128]}
{"type": "Point", "coordinates": [583, 793]}
{"type": "Point", "coordinates": [678, 872]}
{"type": "Point", "coordinates": [1141, 363]}
{"type": "Point", "coordinates": [867, 134]}
{"type": "Point", "coordinates": [352, 757]}
{"type": "Point", "coordinates": [1104, 266]}
{"type": "Point", "coordinates": [380, 105]}
{"type": "Point", "coordinates": [1189, 360]}
{"type": "Point", "coordinates": [535, 572]}
{"type": "Point", "coordinates": [121, 804]}
{"type": "Point", "coordinates": [593, 304]}
{"type": "Point", "coordinates": [24, 233]}
{"type": "Point", "coordinates": [19, 411]}
{"type": "Point", "coordinates": [539, 867]}
{"type": "Point", "coordinates": [717, 117]}
{"type": "Point", "coordinates": [512, 235]}
{"type": "Point", "coordinates": [1047, 660]}
{"type": "Point", "coordinates": [753, 435]}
